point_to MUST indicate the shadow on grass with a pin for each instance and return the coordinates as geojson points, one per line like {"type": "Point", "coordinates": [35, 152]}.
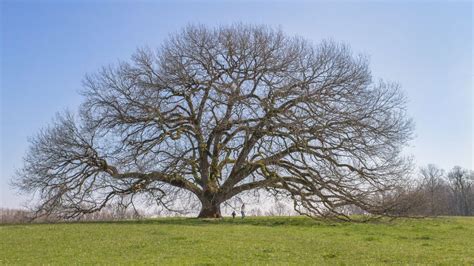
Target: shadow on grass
{"type": "Point", "coordinates": [271, 221]}
{"type": "Point", "coordinates": [301, 221]}
{"type": "Point", "coordinates": [188, 221]}
{"type": "Point", "coordinates": [254, 221]}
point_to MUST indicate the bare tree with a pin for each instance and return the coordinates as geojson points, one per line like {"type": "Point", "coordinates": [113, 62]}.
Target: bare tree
{"type": "Point", "coordinates": [462, 184]}
{"type": "Point", "coordinates": [433, 184]}
{"type": "Point", "coordinates": [217, 112]}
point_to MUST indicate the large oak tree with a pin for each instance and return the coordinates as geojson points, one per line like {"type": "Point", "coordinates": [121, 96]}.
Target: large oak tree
{"type": "Point", "coordinates": [216, 112]}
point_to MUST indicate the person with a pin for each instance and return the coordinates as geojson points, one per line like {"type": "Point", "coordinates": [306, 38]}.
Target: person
{"type": "Point", "coordinates": [233, 215]}
{"type": "Point", "coordinates": [242, 210]}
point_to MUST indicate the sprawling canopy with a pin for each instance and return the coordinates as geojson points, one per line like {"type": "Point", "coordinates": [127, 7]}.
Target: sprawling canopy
{"type": "Point", "coordinates": [216, 112]}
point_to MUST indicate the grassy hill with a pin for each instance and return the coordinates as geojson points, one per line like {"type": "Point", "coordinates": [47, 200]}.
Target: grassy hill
{"type": "Point", "coordinates": [260, 240]}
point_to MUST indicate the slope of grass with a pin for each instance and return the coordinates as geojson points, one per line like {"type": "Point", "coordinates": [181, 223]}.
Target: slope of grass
{"type": "Point", "coordinates": [260, 240]}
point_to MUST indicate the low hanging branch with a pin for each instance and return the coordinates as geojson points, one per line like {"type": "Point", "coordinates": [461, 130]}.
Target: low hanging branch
{"type": "Point", "coordinates": [217, 112]}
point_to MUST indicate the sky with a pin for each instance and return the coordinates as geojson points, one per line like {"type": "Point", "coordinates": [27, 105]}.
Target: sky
{"type": "Point", "coordinates": [48, 46]}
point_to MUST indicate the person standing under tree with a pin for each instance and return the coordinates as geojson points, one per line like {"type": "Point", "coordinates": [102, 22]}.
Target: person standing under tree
{"type": "Point", "coordinates": [242, 210]}
{"type": "Point", "coordinates": [233, 215]}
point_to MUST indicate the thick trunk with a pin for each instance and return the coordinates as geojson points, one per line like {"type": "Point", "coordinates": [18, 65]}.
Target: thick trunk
{"type": "Point", "coordinates": [210, 210]}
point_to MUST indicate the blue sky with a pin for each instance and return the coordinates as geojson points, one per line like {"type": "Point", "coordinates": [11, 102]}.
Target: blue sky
{"type": "Point", "coordinates": [47, 47]}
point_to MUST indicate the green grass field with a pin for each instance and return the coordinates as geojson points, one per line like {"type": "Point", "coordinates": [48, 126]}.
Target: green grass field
{"type": "Point", "coordinates": [261, 240]}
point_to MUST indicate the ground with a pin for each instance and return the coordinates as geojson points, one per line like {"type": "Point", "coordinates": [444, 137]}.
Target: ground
{"type": "Point", "coordinates": [259, 240]}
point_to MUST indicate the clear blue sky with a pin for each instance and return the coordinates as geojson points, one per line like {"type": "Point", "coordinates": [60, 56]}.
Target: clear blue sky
{"type": "Point", "coordinates": [46, 48]}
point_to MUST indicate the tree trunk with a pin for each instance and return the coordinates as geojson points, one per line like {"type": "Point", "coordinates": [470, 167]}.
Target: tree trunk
{"type": "Point", "coordinates": [210, 210]}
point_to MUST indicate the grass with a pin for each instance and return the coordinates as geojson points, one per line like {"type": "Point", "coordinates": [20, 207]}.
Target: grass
{"type": "Point", "coordinates": [260, 240]}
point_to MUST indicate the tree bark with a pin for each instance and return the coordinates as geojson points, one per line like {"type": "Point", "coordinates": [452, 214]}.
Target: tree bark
{"type": "Point", "coordinates": [210, 209]}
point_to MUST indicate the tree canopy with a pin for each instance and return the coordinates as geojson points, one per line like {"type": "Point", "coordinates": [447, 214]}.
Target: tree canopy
{"type": "Point", "coordinates": [215, 112]}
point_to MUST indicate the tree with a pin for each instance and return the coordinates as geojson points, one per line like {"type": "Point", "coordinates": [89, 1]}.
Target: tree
{"type": "Point", "coordinates": [433, 186]}
{"type": "Point", "coordinates": [462, 188]}
{"type": "Point", "coordinates": [217, 112]}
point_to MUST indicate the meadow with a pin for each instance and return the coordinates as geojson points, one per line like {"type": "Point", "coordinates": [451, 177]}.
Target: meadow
{"type": "Point", "coordinates": [255, 240]}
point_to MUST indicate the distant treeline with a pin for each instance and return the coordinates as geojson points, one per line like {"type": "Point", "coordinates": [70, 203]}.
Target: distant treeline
{"type": "Point", "coordinates": [437, 192]}
{"type": "Point", "coordinates": [8, 216]}
{"type": "Point", "coordinates": [109, 213]}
